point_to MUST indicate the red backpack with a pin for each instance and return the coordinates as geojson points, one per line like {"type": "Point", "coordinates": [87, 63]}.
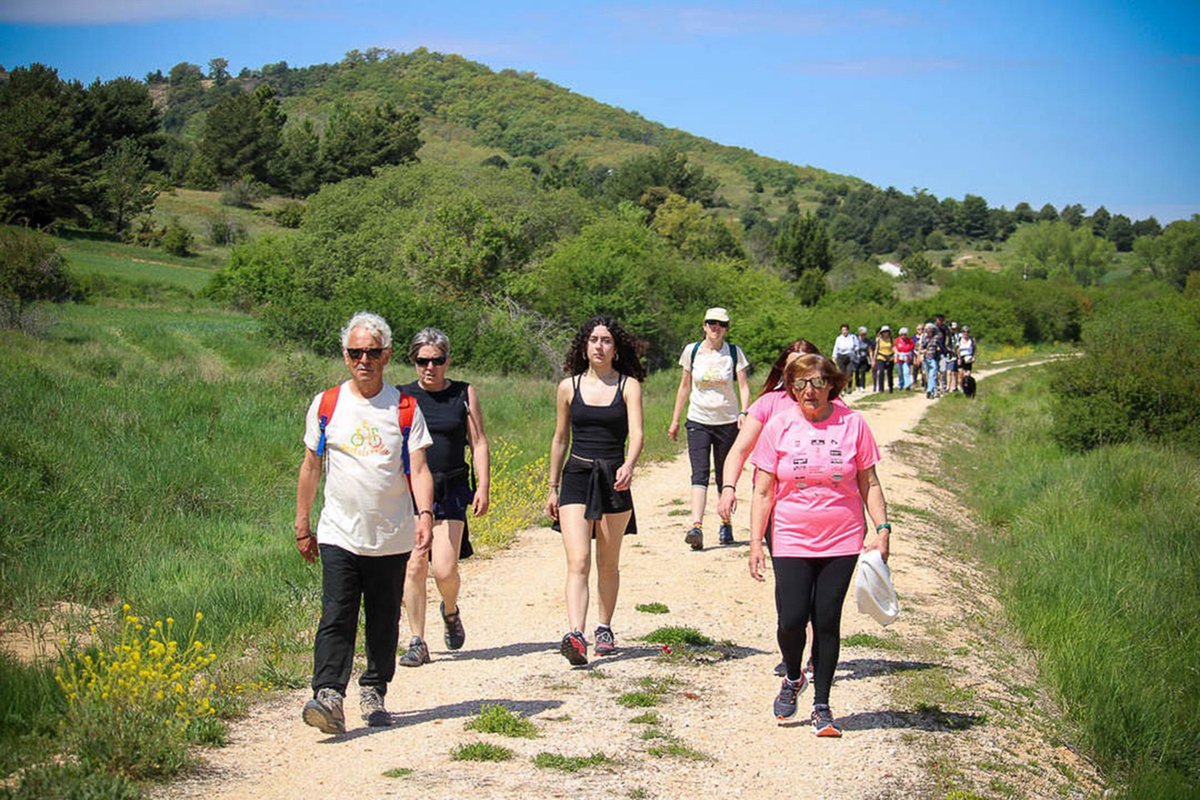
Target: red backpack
{"type": "Point", "coordinates": [407, 406]}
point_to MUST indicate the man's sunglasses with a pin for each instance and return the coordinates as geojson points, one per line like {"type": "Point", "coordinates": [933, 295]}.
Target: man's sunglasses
{"type": "Point", "coordinates": [716, 322]}
{"type": "Point", "coordinates": [372, 353]}
{"type": "Point", "coordinates": [437, 361]}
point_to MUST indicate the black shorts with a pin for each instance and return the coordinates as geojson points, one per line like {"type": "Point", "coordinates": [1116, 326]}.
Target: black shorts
{"type": "Point", "coordinates": [455, 503]}
{"type": "Point", "coordinates": [575, 489]}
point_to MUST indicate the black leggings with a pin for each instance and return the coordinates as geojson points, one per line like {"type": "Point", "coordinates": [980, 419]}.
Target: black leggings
{"type": "Point", "coordinates": [702, 439]}
{"type": "Point", "coordinates": [815, 586]}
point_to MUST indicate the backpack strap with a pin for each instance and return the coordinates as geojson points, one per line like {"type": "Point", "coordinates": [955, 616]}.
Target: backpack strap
{"type": "Point", "coordinates": [733, 353]}
{"type": "Point", "coordinates": [325, 413]}
{"type": "Point", "coordinates": [407, 406]}
{"type": "Point", "coordinates": [695, 349]}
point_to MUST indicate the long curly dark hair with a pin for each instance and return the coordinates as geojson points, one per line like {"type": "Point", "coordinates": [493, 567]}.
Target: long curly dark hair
{"type": "Point", "coordinates": [802, 346]}
{"type": "Point", "coordinates": [625, 359]}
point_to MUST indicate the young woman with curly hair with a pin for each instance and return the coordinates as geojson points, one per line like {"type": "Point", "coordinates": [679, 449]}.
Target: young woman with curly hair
{"type": "Point", "coordinates": [599, 409]}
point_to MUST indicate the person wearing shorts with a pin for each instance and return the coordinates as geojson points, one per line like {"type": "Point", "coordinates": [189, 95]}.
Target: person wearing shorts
{"type": "Point", "coordinates": [599, 410]}
{"type": "Point", "coordinates": [713, 419]}
{"type": "Point", "coordinates": [453, 416]}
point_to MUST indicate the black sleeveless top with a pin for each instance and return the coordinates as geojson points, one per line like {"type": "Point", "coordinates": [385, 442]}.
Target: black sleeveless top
{"type": "Point", "coordinates": [599, 431]}
{"type": "Point", "coordinates": [445, 415]}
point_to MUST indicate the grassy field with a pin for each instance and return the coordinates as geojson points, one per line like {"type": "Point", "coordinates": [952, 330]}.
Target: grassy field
{"type": "Point", "coordinates": [1098, 555]}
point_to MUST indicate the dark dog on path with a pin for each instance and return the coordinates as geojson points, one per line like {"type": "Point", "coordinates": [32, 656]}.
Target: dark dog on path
{"type": "Point", "coordinates": [968, 385]}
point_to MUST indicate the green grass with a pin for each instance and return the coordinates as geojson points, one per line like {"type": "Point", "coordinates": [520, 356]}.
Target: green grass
{"type": "Point", "coordinates": [675, 636]}
{"type": "Point", "coordinates": [398, 772]}
{"type": "Point", "coordinates": [132, 263]}
{"type": "Point", "coordinates": [652, 608]}
{"type": "Point", "coordinates": [678, 750]}
{"type": "Point", "coordinates": [1099, 553]}
{"type": "Point", "coordinates": [871, 640]}
{"type": "Point", "coordinates": [649, 718]}
{"type": "Point", "coordinates": [496, 718]}
{"type": "Point", "coordinates": [480, 751]}
{"type": "Point", "coordinates": [569, 763]}
{"type": "Point", "coordinates": [638, 699]}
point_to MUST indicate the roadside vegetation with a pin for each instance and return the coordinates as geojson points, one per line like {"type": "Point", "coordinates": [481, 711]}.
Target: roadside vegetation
{"type": "Point", "coordinates": [1094, 535]}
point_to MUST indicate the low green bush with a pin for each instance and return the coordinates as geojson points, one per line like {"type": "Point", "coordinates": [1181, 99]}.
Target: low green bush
{"type": "Point", "coordinates": [1138, 379]}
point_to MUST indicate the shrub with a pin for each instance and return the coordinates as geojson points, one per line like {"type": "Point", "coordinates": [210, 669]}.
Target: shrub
{"type": "Point", "coordinates": [31, 269]}
{"type": "Point", "coordinates": [674, 636]}
{"type": "Point", "coordinates": [289, 214]}
{"type": "Point", "coordinates": [131, 704]}
{"type": "Point", "coordinates": [1139, 377]}
{"type": "Point", "coordinates": [480, 751]}
{"type": "Point", "coordinates": [177, 239]}
{"type": "Point", "coordinates": [223, 230]}
{"type": "Point", "coordinates": [70, 782]}
{"type": "Point", "coordinates": [243, 192]}
{"type": "Point", "coordinates": [498, 718]}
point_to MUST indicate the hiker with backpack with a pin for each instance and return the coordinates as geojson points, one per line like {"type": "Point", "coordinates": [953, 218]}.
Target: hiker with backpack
{"type": "Point", "coordinates": [452, 414]}
{"type": "Point", "coordinates": [369, 440]}
{"type": "Point", "coordinates": [864, 348]}
{"type": "Point", "coordinates": [599, 409]}
{"type": "Point", "coordinates": [713, 419]}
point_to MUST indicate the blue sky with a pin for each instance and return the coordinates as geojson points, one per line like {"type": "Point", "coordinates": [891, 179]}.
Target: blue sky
{"type": "Point", "coordinates": [1061, 102]}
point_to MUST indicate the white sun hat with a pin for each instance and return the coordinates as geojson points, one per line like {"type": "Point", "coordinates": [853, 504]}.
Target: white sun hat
{"type": "Point", "coordinates": [873, 589]}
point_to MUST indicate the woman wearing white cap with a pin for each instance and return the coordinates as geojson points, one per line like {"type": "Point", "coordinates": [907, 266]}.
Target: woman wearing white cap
{"type": "Point", "coordinates": [713, 419]}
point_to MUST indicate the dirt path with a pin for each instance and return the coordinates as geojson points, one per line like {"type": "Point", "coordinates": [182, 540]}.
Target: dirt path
{"type": "Point", "coordinates": [942, 691]}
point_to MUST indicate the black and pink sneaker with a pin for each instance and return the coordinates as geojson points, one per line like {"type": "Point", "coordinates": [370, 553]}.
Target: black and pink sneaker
{"type": "Point", "coordinates": [606, 643]}
{"type": "Point", "coordinates": [574, 648]}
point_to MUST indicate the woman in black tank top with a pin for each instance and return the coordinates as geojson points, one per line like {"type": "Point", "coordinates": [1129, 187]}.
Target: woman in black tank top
{"type": "Point", "coordinates": [452, 415]}
{"type": "Point", "coordinates": [599, 408]}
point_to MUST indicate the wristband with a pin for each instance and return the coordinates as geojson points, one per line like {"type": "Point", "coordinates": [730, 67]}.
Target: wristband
{"type": "Point", "coordinates": [425, 511]}
{"type": "Point", "coordinates": [743, 413]}
{"type": "Point", "coordinates": [305, 536]}
{"type": "Point", "coordinates": [879, 528]}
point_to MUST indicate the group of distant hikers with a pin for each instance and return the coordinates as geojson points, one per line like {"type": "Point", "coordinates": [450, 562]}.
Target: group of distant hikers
{"type": "Point", "coordinates": [399, 486]}
{"type": "Point", "coordinates": [938, 359]}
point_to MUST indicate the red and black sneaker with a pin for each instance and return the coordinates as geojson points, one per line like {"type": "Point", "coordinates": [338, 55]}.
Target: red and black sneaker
{"type": "Point", "coordinates": [574, 648]}
{"type": "Point", "coordinates": [606, 643]}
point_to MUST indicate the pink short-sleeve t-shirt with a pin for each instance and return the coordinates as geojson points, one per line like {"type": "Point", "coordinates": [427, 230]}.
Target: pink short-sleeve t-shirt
{"type": "Point", "coordinates": [818, 510]}
{"type": "Point", "coordinates": [771, 403]}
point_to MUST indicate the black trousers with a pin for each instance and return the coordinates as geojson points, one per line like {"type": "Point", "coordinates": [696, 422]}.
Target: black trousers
{"type": "Point", "coordinates": [813, 587]}
{"type": "Point", "coordinates": [702, 439]}
{"type": "Point", "coordinates": [346, 580]}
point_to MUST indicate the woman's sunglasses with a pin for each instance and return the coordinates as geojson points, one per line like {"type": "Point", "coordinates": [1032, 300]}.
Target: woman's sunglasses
{"type": "Point", "coordinates": [817, 383]}
{"type": "Point", "coordinates": [716, 322]}
{"type": "Point", "coordinates": [372, 353]}
{"type": "Point", "coordinates": [437, 361]}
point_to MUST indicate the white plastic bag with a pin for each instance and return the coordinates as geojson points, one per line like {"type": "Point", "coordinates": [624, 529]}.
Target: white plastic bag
{"type": "Point", "coordinates": [873, 589]}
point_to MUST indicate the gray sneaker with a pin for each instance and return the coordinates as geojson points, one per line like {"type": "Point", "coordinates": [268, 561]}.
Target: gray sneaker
{"type": "Point", "coordinates": [695, 538]}
{"type": "Point", "coordinates": [455, 634]}
{"type": "Point", "coordinates": [370, 703]}
{"type": "Point", "coordinates": [784, 707]}
{"type": "Point", "coordinates": [418, 653]}
{"type": "Point", "coordinates": [324, 712]}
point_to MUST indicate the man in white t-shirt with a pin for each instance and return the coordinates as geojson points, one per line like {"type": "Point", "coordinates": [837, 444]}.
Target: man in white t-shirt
{"type": "Point", "coordinates": [713, 419]}
{"type": "Point", "coordinates": [366, 530]}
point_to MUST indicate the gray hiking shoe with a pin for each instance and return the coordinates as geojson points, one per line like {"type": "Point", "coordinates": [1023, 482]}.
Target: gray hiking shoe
{"type": "Point", "coordinates": [324, 712]}
{"type": "Point", "coordinates": [455, 634]}
{"type": "Point", "coordinates": [695, 537]}
{"type": "Point", "coordinates": [370, 703]}
{"type": "Point", "coordinates": [417, 654]}
{"type": "Point", "coordinates": [785, 702]}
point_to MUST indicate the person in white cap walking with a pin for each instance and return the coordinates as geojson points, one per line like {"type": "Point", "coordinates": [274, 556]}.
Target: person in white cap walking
{"type": "Point", "coordinates": [713, 419]}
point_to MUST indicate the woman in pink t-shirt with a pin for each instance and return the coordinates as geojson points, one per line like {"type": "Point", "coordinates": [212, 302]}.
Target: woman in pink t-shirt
{"type": "Point", "coordinates": [816, 468]}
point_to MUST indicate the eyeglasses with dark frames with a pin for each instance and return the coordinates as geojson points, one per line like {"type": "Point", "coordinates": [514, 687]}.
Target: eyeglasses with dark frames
{"type": "Point", "coordinates": [437, 361]}
{"type": "Point", "coordinates": [373, 353]}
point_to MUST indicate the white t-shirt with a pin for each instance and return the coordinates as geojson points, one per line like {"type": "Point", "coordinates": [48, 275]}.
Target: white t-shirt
{"type": "Point", "coordinates": [368, 509]}
{"type": "Point", "coordinates": [713, 400]}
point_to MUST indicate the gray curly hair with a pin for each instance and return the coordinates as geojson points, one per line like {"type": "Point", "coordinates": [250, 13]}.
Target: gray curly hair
{"type": "Point", "coordinates": [373, 323]}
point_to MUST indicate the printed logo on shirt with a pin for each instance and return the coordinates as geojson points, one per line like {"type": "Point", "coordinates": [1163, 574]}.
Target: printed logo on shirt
{"type": "Point", "coordinates": [366, 441]}
{"type": "Point", "coordinates": [817, 442]}
{"type": "Point", "coordinates": [712, 378]}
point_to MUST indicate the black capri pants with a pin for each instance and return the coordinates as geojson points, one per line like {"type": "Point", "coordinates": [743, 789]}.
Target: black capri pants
{"type": "Point", "coordinates": [702, 439]}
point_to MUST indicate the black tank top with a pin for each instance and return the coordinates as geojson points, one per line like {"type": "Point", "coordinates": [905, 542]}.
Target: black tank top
{"type": "Point", "coordinates": [599, 431]}
{"type": "Point", "coordinates": [445, 415]}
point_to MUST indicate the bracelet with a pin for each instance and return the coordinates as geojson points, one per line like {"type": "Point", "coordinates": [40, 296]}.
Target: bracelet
{"type": "Point", "coordinates": [743, 413]}
{"type": "Point", "coordinates": [425, 511]}
{"type": "Point", "coordinates": [305, 536]}
{"type": "Point", "coordinates": [554, 486]}
{"type": "Point", "coordinates": [887, 525]}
